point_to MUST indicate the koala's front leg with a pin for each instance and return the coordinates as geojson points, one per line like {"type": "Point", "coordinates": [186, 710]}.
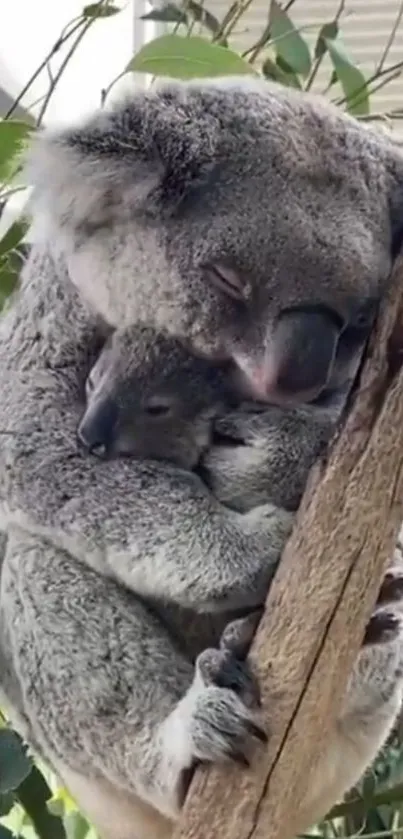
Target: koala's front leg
{"type": "Point", "coordinates": [373, 701]}
{"type": "Point", "coordinates": [128, 715]}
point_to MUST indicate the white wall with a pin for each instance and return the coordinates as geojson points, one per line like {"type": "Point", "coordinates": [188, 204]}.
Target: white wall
{"type": "Point", "coordinates": [28, 31]}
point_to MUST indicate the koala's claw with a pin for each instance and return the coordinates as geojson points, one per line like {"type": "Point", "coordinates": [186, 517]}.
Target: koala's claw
{"type": "Point", "coordinates": [223, 728]}
{"type": "Point", "coordinates": [383, 627]}
{"type": "Point", "coordinates": [224, 670]}
{"type": "Point", "coordinates": [224, 717]}
{"type": "Point", "coordinates": [392, 586]}
{"type": "Point", "coordinates": [237, 636]}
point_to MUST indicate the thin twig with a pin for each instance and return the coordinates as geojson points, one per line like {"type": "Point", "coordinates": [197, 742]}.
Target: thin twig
{"type": "Point", "coordinates": [373, 78]}
{"type": "Point", "coordinates": [226, 19]}
{"type": "Point", "coordinates": [193, 21]}
{"type": "Point", "coordinates": [261, 42]}
{"type": "Point", "coordinates": [230, 20]}
{"type": "Point", "coordinates": [55, 49]}
{"type": "Point", "coordinates": [8, 193]}
{"type": "Point", "coordinates": [390, 41]}
{"type": "Point", "coordinates": [85, 26]}
{"type": "Point", "coordinates": [374, 89]}
{"type": "Point", "coordinates": [318, 61]}
{"type": "Point", "coordinates": [106, 90]}
{"type": "Point", "coordinates": [273, 41]}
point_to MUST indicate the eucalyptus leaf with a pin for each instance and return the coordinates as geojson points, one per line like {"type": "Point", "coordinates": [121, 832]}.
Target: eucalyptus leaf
{"type": "Point", "coordinates": [6, 803]}
{"type": "Point", "coordinates": [187, 58]}
{"type": "Point", "coordinates": [273, 70]}
{"type": "Point", "coordinates": [76, 826]}
{"type": "Point", "coordinates": [205, 17]}
{"type": "Point", "coordinates": [13, 236]}
{"type": "Point", "coordinates": [288, 42]}
{"type": "Point", "coordinates": [8, 283]}
{"type": "Point", "coordinates": [13, 133]}
{"type": "Point", "coordinates": [55, 807]}
{"type": "Point", "coordinates": [15, 765]}
{"type": "Point", "coordinates": [329, 31]}
{"type": "Point", "coordinates": [94, 10]}
{"type": "Point", "coordinates": [169, 13]}
{"type": "Point", "coordinates": [352, 80]}
{"type": "Point", "coordinates": [34, 795]}
{"type": "Point", "coordinates": [333, 78]}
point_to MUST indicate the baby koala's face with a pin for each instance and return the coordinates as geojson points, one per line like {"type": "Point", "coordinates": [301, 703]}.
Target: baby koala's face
{"type": "Point", "coordinates": [147, 396]}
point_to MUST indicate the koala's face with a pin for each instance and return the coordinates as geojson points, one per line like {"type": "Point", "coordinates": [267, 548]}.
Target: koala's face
{"type": "Point", "coordinates": [148, 397]}
{"type": "Point", "coordinates": [255, 222]}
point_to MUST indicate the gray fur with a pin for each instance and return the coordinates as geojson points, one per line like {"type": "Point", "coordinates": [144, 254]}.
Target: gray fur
{"type": "Point", "coordinates": [120, 577]}
{"type": "Point", "coordinates": [241, 175]}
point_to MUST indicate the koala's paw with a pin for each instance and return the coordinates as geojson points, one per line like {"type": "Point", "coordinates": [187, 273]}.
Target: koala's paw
{"type": "Point", "coordinates": [392, 586]}
{"type": "Point", "coordinates": [224, 720]}
{"type": "Point", "coordinates": [386, 621]}
{"type": "Point", "coordinates": [237, 635]}
{"type": "Point", "coordinates": [274, 522]}
{"type": "Point", "coordinates": [224, 669]}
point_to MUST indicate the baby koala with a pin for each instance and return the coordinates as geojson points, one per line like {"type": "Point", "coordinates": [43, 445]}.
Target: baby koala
{"type": "Point", "coordinates": [147, 396]}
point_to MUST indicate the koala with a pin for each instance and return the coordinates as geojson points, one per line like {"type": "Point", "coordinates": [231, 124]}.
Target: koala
{"type": "Point", "coordinates": [130, 588]}
{"type": "Point", "coordinates": [254, 223]}
{"type": "Point", "coordinates": [148, 396]}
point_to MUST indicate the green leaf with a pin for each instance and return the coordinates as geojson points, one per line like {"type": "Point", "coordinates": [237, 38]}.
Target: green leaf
{"type": "Point", "coordinates": [76, 826]}
{"type": "Point", "coordinates": [100, 10]}
{"type": "Point", "coordinates": [13, 134]}
{"type": "Point", "coordinates": [187, 58]}
{"type": "Point", "coordinates": [333, 78]}
{"type": "Point", "coordinates": [55, 807]}
{"type": "Point", "coordinates": [15, 765]}
{"type": "Point", "coordinates": [205, 17]}
{"type": "Point", "coordinates": [5, 833]}
{"type": "Point", "coordinates": [13, 236]}
{"type": "Point", "coordinates": [289, 72]}
{"type": "Point", "coordinates": [169, 13]}
{"type": "Point", "coordinates": [360, 806]}
{"type": "Point", "coordinates": [329, 31]}
{"type": "Point", "coordinates": [34, 795]}
{"type": "Point", "coordinates": [6, 803]}
{"type": "Point", "coordinates": [273, 70]}
{"type": "Point", "coordinates": [351, 79]}
{"type": "Point", "coordinates": [288, 42]}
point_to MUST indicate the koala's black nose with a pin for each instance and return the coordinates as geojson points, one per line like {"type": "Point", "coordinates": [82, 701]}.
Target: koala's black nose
{"type": "Point", "coordinates": [97, 427]}
{"type": "Point", "coordinates": [306, 344]}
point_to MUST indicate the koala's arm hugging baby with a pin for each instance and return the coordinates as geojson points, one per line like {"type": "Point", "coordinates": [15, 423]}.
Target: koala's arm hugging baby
{"type": "Point", "coordinates": [118, 685]}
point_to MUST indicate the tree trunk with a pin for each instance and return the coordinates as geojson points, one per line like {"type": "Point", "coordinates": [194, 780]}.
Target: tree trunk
{"type": "Point", "coordinates": [319, 603]}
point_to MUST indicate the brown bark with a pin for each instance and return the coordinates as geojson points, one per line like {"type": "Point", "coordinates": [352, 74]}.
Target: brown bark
{"type": "Point", "coordinates": [319, 603]}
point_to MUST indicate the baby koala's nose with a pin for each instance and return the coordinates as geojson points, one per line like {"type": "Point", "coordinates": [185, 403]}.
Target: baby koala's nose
{"type": "Point", "coordinates": [96, 430]}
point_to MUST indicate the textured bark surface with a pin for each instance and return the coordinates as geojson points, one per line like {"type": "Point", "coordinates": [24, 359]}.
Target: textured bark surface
{"type": "Point", "coordinates": [319, 603]}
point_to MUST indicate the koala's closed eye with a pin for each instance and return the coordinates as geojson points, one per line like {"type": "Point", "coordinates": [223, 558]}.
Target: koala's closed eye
{"type": "Point", "coordinates": [226, 280]}
{"type": "Point", "coordinates": [160, 406]}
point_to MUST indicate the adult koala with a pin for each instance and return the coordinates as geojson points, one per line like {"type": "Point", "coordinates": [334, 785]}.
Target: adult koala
{"type": "Point", "coordinates": [291, 212]}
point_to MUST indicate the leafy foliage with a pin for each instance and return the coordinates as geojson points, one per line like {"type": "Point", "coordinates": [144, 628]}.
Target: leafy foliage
{"type": "Point", "coordinates": [187, 58]}
{"type": "Point", "coordinates": [197, 43]}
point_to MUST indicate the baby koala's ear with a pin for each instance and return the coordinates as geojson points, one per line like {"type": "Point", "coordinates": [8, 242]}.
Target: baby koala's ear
{"type": "Point", "coordinates": [145, 153]}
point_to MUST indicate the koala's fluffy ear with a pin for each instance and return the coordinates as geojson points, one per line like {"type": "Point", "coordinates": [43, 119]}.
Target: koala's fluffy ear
{"type": "Point", "coordinates": [144, 153]}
